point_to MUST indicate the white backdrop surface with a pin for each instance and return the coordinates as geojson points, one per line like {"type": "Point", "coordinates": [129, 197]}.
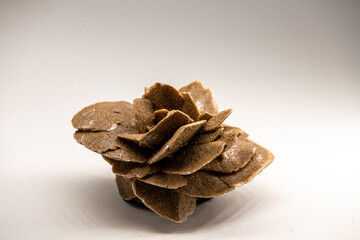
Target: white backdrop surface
{"type": "Point", "coordinates": [289, 69]}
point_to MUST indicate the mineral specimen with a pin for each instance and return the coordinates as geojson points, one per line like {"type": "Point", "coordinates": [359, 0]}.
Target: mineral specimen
{"type": "Point", "coordinates": [170, 147]}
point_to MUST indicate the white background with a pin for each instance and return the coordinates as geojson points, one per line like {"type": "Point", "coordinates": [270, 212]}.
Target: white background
{"type": "Point", "coordinates": [289, 69]}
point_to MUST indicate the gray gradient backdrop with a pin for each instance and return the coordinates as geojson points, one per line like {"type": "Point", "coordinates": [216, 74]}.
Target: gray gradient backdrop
{"type": "Point", "coordinates": [289, 69]}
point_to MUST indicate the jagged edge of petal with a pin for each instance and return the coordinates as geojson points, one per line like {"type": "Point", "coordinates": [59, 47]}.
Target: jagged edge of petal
{"type": "Point", "coordinates": [143, 114]}
{"type": "Point", "coordinates": [203, 98]}
{"type": "Point", "coordinates": [129, 152]}
{"type": "Point", "coordinates": [164, 96]}
{"type": "Point", "coordinates": [164, 180]}
{"type": "Point", "coordinates": [124, 186]}
{"type": "Point", "coordinates": [205, 185]}
{"type": "Point", "coordinates": [190, 159]}
{"type": "Point", "coordinates": [215, 121]}
{"type": "Point", "coordinates": [258, 162]}
{"type": "Point", "coordinates": [159, 200]}
{"type": "Point", "coordinates": [180, 139]}
{"type": "Point", "coordinates": [103, 116]}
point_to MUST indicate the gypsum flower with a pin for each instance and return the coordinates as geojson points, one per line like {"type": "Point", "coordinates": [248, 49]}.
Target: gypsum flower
{"type": "Point", "coordinates": [170, 147]}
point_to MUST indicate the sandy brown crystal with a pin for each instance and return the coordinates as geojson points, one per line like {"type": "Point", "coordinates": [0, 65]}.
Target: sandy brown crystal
{"type": "Point", "coordinates": [170, 147]}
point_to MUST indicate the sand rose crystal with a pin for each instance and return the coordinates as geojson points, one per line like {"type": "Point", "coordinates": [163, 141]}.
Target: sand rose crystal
{"type": "Point", "coordinates": [170, 148]}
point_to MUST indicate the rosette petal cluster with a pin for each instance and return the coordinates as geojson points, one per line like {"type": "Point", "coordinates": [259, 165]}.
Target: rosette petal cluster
{"type": "Point", "coordinates": [170, 148]}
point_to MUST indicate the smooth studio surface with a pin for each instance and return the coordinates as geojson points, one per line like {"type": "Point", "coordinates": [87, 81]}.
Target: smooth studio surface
{"type": "Point", "coordinates": [289, 69]}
